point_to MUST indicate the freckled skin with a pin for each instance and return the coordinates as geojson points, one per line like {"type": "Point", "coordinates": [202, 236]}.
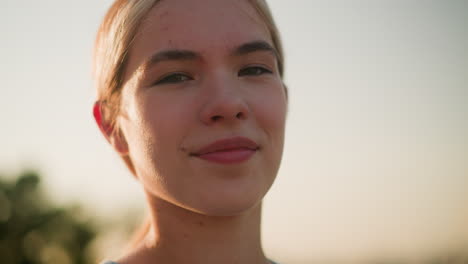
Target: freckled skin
{"type": "Point", "coordinates": [162, 124]}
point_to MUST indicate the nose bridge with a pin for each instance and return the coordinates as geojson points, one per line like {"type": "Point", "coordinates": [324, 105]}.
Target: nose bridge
{"type": "Point", "coordinates": [223, 98]}
{"type": "Point", "coordinates": [222, 87]}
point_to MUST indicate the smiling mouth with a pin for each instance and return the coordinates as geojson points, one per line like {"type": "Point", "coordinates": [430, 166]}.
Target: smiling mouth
{"type": "Point", "coordinates": [228, 151]}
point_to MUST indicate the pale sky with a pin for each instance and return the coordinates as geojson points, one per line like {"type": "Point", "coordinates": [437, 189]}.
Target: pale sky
{"type": "Point", "coordinates": [376, 157]}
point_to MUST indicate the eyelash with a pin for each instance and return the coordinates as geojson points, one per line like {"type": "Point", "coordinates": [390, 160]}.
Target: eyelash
{"type": "Point", "coordinates": [182, 77]}
{"type": "Point", "coordinates": [174, 78]}
{"type": "Point", "coordinates": [257, 70]}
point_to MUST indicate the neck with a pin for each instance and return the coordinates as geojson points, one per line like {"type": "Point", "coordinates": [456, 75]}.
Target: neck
{"type": "Point", "coordinates": [178, 235]}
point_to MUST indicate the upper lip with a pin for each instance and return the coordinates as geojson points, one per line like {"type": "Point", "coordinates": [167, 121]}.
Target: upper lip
{"type": "Point", "coordinates": [226, 145]}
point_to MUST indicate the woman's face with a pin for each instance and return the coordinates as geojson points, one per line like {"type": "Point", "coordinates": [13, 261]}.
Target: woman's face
{"type": "Point", "coordinates": [203, 108]}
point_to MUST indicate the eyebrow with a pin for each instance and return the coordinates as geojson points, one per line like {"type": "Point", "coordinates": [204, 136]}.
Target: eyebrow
{"type": "Point", "coordinates": [169, 55]}
{"type": "Point", "coordinates": [255, 46]}
{"type": "Point", "coordinates": [184, 55]}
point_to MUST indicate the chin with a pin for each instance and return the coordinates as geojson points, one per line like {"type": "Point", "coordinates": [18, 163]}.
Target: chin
{"type": "Point", "coordinates": [229, 209]}
{"type": "Point", "coordinates": [214, 191]}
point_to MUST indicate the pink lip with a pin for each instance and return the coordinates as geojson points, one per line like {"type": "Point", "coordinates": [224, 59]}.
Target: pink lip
{"type": "Point", "coordinates": [226, 151]}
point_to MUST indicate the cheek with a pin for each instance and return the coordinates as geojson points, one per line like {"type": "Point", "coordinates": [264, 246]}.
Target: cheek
{"type": "Point", "coordinates": [163, 121]}
{"type": "Point", "coordinates": [270, 111]}
{"type": "Point", "coordinates": [155, 129]}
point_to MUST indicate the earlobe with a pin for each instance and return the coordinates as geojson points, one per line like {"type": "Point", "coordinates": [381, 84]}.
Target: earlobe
{"type": "Point", "coordinates": [114, 136]}
{"type": "Point", "coordinates": [118, 141]}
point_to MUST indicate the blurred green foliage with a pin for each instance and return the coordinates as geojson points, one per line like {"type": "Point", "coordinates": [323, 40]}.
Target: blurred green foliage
{"type": "Point", "coordinates": [35, 231]}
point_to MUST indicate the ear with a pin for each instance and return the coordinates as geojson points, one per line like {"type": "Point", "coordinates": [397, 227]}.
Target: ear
{"type": "Point", "coordinates": [113, 135]}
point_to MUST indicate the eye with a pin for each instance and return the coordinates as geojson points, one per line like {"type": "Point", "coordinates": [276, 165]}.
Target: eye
{"type": "Point", "coordinates": [173, 78]}
{"type": "Point", "coordinates": [253, 71]}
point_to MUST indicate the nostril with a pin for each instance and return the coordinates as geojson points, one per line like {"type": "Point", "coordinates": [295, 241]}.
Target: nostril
{"type": "Point", "coordinates": [239, 115]}
{"type": "Point", "coordinates": [216, 118]}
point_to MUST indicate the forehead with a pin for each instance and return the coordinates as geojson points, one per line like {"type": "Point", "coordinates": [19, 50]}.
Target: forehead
{"type": "Point", "coordinates": [209, 27]}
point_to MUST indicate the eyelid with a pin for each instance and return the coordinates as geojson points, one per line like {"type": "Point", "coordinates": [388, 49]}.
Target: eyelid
{"type": "Point", "coordinates": [164, 79]}
{"type": "Point", "coordinates": [263, 67]}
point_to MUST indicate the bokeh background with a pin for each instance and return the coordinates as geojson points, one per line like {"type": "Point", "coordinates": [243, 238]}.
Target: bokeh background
{"type": "Point", "coordinates": [375, 168]}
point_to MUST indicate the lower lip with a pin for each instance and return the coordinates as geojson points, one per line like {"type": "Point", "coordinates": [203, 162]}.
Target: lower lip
{"type": "Point", "coordinates": [228, 157]}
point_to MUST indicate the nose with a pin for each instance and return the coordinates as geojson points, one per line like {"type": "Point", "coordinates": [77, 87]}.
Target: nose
{"type": "Point", "coordinates": [224, 103]}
